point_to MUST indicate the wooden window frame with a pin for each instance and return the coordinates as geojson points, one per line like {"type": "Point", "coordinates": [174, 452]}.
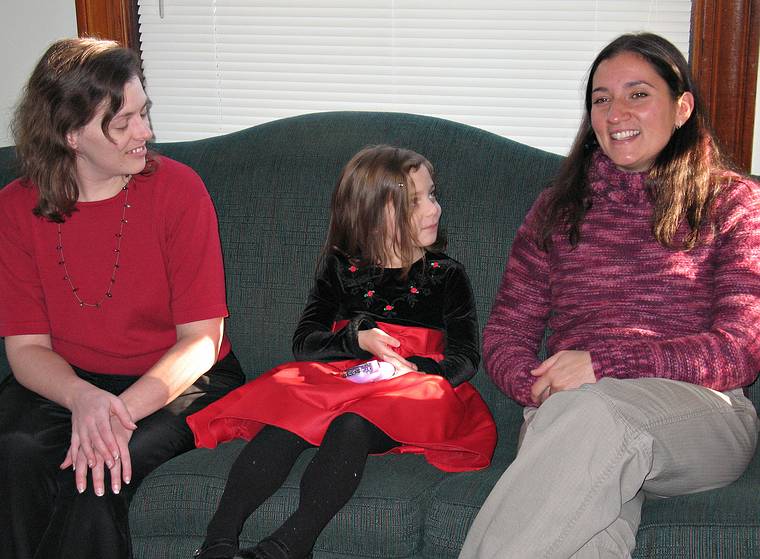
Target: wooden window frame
{"type": "Point", "coordinates": [724, 53]}
{"type": "Point", "coordinates": [109, 19]}
{"type": "Point", "coordinates": [725, 36]}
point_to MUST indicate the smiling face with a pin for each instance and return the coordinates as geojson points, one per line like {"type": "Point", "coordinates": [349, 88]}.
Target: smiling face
{"type": "Point", "coordinates": [633, 113]}
{"type": "Point", "coordinates": [101, 159]}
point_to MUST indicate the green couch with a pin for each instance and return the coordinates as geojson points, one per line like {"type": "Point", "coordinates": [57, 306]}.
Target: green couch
{"type": "Point", "coordinates": [271, 185]}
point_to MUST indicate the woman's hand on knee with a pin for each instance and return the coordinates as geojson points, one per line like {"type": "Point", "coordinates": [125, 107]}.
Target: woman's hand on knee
{"type": "Point", "coordinates": [120, 468]}
{"type": "Point", "coordinates": [565, 370]}
{"type": "Point", "coordinates": [92, 434]}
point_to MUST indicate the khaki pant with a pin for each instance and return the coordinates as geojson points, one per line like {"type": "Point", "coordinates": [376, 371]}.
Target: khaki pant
{"type": "Point", "coordinates": [588, 457]}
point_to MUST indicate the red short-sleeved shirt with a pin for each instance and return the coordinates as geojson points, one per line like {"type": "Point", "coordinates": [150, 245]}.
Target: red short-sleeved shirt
{"type": "Point", "coordinates": [170, 271]}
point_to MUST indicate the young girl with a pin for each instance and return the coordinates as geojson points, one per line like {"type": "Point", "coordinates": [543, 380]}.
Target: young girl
{"type": "Point", "coordinates": [384, 297]}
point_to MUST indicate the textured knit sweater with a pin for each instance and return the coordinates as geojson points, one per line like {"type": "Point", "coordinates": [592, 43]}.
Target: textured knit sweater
{"type": "Point", "coordinates": [640, 309]}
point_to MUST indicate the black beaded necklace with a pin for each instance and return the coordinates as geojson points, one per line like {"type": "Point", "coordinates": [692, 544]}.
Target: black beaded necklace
{"type": "Point", "coordinates": [116, 250]}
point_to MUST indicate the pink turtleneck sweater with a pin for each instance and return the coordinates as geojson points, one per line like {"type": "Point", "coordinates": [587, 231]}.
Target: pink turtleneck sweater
{"type": "Point", "coordinates": [640, 309]}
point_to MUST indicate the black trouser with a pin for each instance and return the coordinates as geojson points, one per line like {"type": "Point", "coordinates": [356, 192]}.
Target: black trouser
{"type": "Point", "coordinates": [41, 514]}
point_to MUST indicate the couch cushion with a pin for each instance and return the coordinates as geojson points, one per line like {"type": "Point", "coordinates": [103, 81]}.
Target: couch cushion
{"type": "Point", "coordinates": [271, 185]}
{"type": "Point", "coordinates": [719, 523]}
{"type": "Point", "coordinates": [384, 519]}
{"type": "Point", "coordinates": [457, 499]}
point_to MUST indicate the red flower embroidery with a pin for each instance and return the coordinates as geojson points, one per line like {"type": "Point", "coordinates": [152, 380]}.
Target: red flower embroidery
{"type": "Point", "coordinates": [352, 268]}
{"type": "Point", "coordinates": [388, 307]}
{"type": "Point", "coordinates": [435, 264]}
{"type": "Point", "coordinates": [369, 293]}
{"type": "Point", "coordinates": [413, 290]}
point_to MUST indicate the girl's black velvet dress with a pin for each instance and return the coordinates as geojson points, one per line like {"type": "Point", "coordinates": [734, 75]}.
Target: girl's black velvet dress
{"type": "Point", "coordinates": [434, 411]}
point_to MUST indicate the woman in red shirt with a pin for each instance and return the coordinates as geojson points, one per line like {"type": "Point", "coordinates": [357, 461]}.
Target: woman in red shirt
{"type": "Point", "coordinates": [112, 311]}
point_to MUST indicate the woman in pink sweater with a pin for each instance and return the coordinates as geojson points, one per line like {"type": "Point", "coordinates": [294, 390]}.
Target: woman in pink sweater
{"type": "Point", "coordinates": [643, 260]}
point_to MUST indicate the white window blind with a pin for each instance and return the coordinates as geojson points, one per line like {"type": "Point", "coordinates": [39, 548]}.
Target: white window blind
{"type": "Point", "coordinates": [514, 68]}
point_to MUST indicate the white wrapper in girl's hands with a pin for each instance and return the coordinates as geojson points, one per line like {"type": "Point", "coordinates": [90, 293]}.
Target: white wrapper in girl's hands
{"type": "Point", "coordinates": [371, 371]}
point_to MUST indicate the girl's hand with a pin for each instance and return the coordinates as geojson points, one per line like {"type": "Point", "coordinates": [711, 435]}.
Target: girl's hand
{"type": "Point", "coordinates": [93, 439]}
{"type": "Point", "coordinates": [564, 370]}
{"type": "Point", "coordinates": [381, 345]}
{"type": "Point", "coordinates": [402, 370]}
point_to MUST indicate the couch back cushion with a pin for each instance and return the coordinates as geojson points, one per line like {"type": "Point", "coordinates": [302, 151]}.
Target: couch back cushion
{"type": "Point", "coordinates": [271, 185]}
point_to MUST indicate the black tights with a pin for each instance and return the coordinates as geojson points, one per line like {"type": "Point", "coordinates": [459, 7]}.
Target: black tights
{"type": "Point", "coordinates": [327, 484]}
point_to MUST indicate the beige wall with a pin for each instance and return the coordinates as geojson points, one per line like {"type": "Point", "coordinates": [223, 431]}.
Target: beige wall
{"type": "Point", "coordinates": [27, 27]}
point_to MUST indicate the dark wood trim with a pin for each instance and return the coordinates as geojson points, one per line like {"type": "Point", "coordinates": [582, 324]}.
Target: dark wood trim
{"type": "Point", "coordinates": [724, 58]}
{"type": "Point", "coordinates": [109, 19]}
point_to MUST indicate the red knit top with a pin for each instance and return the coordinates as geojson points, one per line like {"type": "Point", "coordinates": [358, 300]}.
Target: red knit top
{"type": "Point", "coordinates": [170, 271]}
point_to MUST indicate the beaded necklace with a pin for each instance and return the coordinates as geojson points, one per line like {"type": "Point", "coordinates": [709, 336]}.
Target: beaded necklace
{"type": "Point", "coordinates": [116, 250]}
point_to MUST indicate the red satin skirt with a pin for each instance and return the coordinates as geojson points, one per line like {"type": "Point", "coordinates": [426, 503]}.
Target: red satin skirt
{"type": "Point", "coordinates": [451, 427]}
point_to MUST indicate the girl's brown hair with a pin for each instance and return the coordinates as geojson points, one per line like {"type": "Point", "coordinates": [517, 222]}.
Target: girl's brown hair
{"type": "Point", "coordinates": [373, 178]}
{"type": "Point", "coordinates": [72, 80]}
{"type": "Point", "coordinates": [685, 177]}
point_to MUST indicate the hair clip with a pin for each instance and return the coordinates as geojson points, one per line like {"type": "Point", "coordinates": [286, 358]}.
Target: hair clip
{"type": "Point", "coordinates": [401, 185]}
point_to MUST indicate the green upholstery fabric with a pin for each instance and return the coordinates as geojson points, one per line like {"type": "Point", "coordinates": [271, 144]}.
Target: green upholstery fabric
{"type": "Point", "coordinates": [390, 516]}
{"type": "Point", "coordinates": [720, 523]}
{"type": "Point", "coordinates": [271, 186]}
